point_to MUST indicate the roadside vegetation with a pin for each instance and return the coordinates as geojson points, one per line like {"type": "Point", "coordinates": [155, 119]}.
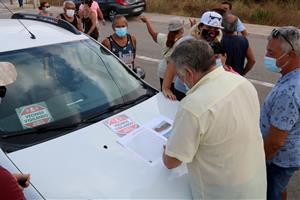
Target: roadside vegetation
{"type": "Point", "coordinates": [266, 12]}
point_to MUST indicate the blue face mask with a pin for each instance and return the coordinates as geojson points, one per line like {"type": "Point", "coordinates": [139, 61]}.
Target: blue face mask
{"type": "Point", "coordinates": [219, 62]}
{"type": "Point", "coordinates": [121, 32]}
{"type": "Point", "coordinates": [270, 64]}
{"type": "Point", "coordinates": [187, 88]}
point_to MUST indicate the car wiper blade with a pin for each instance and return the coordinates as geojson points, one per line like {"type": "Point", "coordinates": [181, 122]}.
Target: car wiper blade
{"type": "Point", "coordinates": [41, 129]}
{"type": "Point", "coordinates": [115, 108]}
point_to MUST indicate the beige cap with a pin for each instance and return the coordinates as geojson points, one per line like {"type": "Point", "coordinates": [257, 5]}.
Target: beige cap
{"type": "Point", "coordinates": [175, 24]}
{"type": "Point", "coordinates": [8, 73]}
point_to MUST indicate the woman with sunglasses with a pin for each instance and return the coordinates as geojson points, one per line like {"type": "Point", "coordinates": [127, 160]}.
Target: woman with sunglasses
{"type": "Point", "coordinates": [44, 9]}
{"type": "Point", "coordinates": [209, 29]}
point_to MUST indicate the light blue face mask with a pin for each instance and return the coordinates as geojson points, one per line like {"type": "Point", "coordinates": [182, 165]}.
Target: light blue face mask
{"type": "Point", "coordinates": [219, 62]}
{"type": "Point", "coordinates": [270, 64]}
{"type": "Point", "coordinates": [121, 32]}
{"type": "Point", "coordinates": [187, 88]}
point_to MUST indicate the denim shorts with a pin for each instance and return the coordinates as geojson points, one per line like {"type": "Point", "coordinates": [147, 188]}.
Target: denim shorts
{"type": "Point", "coordinates": [278, 179]}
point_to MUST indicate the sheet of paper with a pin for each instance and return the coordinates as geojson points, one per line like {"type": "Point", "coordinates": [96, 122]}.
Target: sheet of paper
{"type": "Point", "coordinates": [161, 125]}
{"type": "Point", "coordinates": [145, 143]}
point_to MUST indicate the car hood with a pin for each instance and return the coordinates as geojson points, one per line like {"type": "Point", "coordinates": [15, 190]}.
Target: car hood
{"type": "Point", "coordinates": [76, 166]}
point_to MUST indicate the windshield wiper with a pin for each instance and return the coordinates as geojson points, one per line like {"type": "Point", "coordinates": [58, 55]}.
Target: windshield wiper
{"type": "Point", "coordinates": [41, 129]}
{"type": "Point", "coordinates": [89, 120]}
{"type": "Point", "coordinates": [115, 108]}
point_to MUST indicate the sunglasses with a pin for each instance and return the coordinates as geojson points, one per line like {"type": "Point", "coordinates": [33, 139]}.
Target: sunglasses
{"type": "Point", "coordinates": [276, 33]}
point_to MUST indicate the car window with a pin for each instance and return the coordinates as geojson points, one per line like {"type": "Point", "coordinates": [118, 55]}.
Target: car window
{"type": "Point", "coordinates": [63, 82]}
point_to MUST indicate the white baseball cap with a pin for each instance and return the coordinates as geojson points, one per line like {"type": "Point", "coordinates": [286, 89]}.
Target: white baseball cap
{"type": "Point", "coordinates": [8, 73]}
{"type": "Point", "coordinates": [212, 18]}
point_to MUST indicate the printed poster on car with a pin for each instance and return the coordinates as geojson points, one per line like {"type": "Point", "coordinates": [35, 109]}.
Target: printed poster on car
{"type": "Point", "coordinates": [34, 115]}
{"type": "Point", "coordinates": [121, 124]}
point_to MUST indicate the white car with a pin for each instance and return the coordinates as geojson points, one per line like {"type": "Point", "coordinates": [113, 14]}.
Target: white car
{"type": "Point", "coordinates": [58, 120]}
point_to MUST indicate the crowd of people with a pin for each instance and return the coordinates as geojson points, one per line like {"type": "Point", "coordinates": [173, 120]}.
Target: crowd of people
{"type": "Point", "coordinates": [232, 148]}
{"type": "Point", "coordinates": [86, 20]}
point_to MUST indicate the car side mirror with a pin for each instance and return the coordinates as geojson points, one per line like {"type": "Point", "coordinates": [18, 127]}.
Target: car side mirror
{"type": "Point", "coordinates": [140, 72]}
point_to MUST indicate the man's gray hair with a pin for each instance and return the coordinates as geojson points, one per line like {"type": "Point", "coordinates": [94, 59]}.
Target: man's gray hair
{"type": "Point", "coordinates": [195, 54]}
{"type": "Point", "coordinates": [289, 33]}
{"type": "Point", "coordinates": [68, 2]}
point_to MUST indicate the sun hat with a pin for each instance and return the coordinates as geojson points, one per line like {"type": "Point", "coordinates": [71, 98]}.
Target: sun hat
{"type": "Point", "coordinates": [213, 19]}
{"type": "Point", "coordinates": [175, 24]}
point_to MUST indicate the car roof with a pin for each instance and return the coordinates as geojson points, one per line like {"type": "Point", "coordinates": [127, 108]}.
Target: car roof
{"type": "Point", "coordinates": [13, 36]}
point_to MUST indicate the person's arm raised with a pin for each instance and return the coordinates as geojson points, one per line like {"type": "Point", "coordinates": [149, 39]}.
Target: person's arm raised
{"type": "Point", "coordinates": [150, 28]}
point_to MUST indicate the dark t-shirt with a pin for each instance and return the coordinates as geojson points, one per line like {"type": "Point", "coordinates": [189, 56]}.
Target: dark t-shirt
{"type": "Point", "coordinates": [74, 22]}
{"type": "Point", "coordinates": [235, 47]}
{"type": "Point", "coordinates": [9, 188]}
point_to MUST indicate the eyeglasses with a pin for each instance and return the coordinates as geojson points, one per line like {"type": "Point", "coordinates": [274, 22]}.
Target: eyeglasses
{"type": "Point", "coordinates": [276, 33]}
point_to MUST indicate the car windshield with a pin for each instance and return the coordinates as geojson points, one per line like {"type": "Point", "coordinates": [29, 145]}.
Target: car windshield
{"type": "Point", "coordinates": [64, 84]}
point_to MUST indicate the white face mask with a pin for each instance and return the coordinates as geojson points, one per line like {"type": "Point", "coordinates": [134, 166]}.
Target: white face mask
{"type": "Point", "coordinates": [70, 12]}
{"type": "Point", "coordinates": [46, 9]}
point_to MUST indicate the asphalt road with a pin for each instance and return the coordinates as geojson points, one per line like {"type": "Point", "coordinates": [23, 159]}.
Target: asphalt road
{"type": "Point", "coordinates": [148, 54]}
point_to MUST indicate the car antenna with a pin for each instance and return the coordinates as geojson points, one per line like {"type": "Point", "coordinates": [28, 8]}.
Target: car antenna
{"type": "Point", "coordinates": [31, 34]}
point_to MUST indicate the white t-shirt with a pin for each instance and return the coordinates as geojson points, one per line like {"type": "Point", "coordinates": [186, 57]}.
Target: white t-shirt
{"type": "Point", "coordinates": [216, 132]}
{"type": "Point", "coordinates": [166, 53]}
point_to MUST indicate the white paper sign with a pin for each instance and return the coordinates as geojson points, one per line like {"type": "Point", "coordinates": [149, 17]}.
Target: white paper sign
{"type": "Point", "coordinates": [121, 124]}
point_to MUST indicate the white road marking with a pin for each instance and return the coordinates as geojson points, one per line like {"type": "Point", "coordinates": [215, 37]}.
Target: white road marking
{"type": "Point", "coordinates": [148, 59]}
{"type": "Point", "coordinates": [257, 82]}
{"type": "Point", "coordinates": [266, 84]}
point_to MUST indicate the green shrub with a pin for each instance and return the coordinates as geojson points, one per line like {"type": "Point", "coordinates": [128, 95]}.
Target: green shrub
{"type": "Point", "coordinates": [261, 16]}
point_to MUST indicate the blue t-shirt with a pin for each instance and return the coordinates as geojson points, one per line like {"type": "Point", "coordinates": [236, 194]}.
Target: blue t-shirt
{"type": "Point", "coordinates": [282, 109]}
{"type": "Point", "coordinates": [236, 47]}
{"type": "Point", "coordinates": [240, 26]}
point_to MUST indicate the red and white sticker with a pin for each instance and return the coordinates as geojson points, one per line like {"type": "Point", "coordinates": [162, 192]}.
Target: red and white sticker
{"type": "Point", "coordinates": [34, 115]}
{"type": "Point", "coordinates": [121, 124]}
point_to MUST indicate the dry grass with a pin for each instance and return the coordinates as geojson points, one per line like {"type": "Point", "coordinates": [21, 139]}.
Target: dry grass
{"type": "Point", "coordinates": [267, 12]}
